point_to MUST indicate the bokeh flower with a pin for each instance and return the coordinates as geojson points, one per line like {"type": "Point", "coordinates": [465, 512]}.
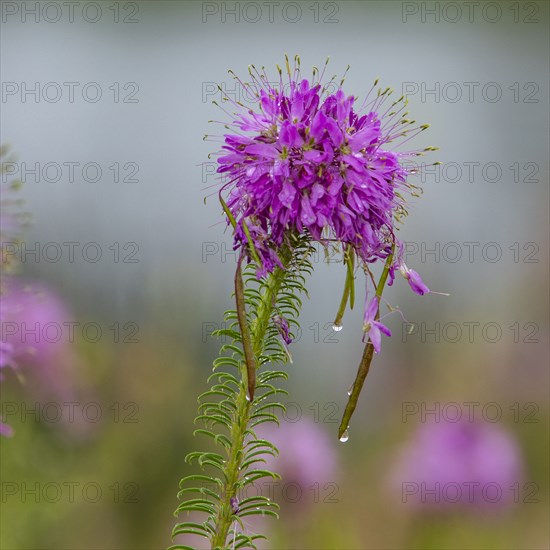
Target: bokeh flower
{"type": "Point", "coordinates": [37, 341]}
{"type": "Point", "coordinates": [452, 465]}
{"type": "Point", "coordinates": [5, 429]}
{"type": "Point", "coordinates": [306, 453]}
{"type": "Point", "coordinates": [34, 324]}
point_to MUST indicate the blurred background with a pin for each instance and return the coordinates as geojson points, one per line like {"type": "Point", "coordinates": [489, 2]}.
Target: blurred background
{"type": "Point", "coordinates": [126, 271]}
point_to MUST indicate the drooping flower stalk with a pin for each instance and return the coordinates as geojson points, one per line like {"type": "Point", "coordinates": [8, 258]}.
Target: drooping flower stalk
{"type": "Point", "coordinates": [366, 360]}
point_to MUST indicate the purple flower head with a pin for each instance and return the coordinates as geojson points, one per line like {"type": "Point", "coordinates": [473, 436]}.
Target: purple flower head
{"type": "Point", "coordinates": [451, 465]}
{"type": "Point", "coordinates": [310, 161]}
{"type": "Point", "coordinates": [371, 327]}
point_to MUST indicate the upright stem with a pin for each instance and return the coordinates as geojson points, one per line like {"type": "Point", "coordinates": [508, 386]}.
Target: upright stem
{"type": "Point", "coordinates": [242, 414]}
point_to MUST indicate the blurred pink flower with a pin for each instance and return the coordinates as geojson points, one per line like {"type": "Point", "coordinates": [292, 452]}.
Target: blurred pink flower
{"type": "Point", "coordinates": [6, 352]}
{"type": "Point", "coordinates": [5, 429]}
{"type": "Point", "coordinates": [36, 341]}
{"type": "Point", "coordinates": [306, 454]}
{"type": "Point", "coordinates": [34, 324]}
{"type": "Point", "coordinates": [459, 464]}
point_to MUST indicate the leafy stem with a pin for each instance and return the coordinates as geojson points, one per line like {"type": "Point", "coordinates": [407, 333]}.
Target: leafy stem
{"type": "Point", "coordinates": [253, 344]}
{"type": "Point", "coordinates": [242, 395]}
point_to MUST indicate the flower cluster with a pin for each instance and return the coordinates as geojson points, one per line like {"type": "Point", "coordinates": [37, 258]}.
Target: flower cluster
{"type": "Point", "coordinates": [310, 161]}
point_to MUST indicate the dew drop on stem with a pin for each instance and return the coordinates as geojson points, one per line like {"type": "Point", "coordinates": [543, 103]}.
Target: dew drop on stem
{"type": "Point", "coordinates": [345, 436]}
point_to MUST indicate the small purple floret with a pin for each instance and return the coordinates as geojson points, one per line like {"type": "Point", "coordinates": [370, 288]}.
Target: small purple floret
{"type": "Point", "coordinates": [284, 330]}
{"type": "Point", "coordinates": [234, 505]}
{"type": "Point", "coordinates": [415, 281]}
{"type": "Point", "coordinates": [373, 328]}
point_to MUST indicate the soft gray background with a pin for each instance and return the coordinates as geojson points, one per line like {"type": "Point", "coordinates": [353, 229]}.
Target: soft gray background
{"type": "Point", "coordinates": [172, 55]}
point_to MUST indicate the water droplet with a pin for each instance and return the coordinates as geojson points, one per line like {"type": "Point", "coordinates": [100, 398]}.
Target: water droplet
{"type": "Point", "coordinates": [345, 436]}
{"type": "Point", "coordinates": [247, 397]}
{"type": "Point", "coordinates": [337, 328]}
{"type": "Point", "coordinates": [350, 389]}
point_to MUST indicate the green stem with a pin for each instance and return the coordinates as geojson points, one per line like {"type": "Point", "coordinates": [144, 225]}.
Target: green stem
{"type": "Point", "coordinates": [245, 331]}
{"type": "Point", "coordinates": [241, 418]}
{"type": "Point", "coordinates": [366, 359]}
{"type": "Point", "coordinates": [343, 304]}
{"type": "Point", "coordinates": [349, 287]}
